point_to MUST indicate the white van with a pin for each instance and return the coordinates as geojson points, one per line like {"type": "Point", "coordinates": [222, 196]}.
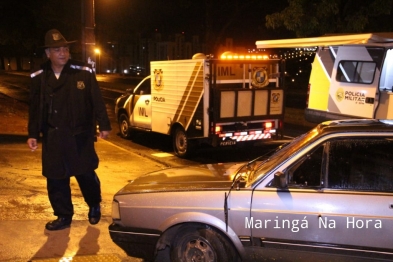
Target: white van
{"type": "Point", "coordinates": [351, 77]}
{"type": "Point", "coordinates": [220, 102]}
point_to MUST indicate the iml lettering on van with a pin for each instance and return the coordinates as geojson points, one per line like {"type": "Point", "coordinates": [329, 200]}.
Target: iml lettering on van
{"type": "Point", "coordinates": [142, 111]}
{"type": "Point", "coordinates": [226, 71]}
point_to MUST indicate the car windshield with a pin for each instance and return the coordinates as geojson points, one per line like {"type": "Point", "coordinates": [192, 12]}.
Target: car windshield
{"type": "Point", "coordinates": [282, 155]}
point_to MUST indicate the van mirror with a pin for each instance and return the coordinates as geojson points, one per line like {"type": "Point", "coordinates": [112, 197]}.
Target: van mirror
{"type": "Point", "coordinates": [280, 180]}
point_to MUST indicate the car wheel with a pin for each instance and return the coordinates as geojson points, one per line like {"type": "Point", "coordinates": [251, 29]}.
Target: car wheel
{"type": "Point", "coordinates": [124, 126]}
{"type": "Point", "coordinates": [180, 143]}
{"type": "Point", "coordinates": [202, 244]}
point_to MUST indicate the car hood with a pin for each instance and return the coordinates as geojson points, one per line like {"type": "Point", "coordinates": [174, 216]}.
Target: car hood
{"type": "Point", "coordinates": [203, 177]}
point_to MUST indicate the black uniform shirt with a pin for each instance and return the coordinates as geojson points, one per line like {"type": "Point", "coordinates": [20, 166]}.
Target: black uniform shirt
{"type": "Point", "coordinates": [56, 94]}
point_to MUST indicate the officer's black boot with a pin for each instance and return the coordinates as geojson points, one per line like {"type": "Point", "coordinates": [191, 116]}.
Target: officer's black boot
{"type": "Point", "coordinates": [59, 223]}
{"type": "Point", "coordinates": [94, 215]}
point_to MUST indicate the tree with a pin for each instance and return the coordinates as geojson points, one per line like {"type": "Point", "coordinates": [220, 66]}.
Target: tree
{"type": "Point", "coordinates": [319, 17]}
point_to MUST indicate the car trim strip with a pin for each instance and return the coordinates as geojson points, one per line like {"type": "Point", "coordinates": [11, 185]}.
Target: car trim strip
{"type": "Point", "coordinates": [134, 233]}
{"type": "Point", "coordinates": [323, 248]}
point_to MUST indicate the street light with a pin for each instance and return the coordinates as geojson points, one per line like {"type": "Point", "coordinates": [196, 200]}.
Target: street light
{"type": "Point", "coordinates": [98, 52]}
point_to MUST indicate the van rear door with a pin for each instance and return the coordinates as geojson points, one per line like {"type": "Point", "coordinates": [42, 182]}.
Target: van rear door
{"type": "Point", "coordinates": [355, 80]}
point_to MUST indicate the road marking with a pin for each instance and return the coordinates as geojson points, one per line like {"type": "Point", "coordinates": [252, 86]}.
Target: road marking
{"type": "Point", "coordinates": [93, 258]}
{"type": "Point", "coordinates": [161, 154]}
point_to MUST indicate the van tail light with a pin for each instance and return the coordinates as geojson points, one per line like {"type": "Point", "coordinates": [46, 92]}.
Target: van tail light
{"type": "Point", "coordinates": [268, 125]}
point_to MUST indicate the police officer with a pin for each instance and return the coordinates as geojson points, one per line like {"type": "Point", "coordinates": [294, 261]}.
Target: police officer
{"type": "Point", "coordinates": [65, 107]}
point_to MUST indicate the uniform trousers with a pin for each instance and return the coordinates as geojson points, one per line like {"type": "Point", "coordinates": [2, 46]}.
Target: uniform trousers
{"type": "Point", "coordinates": [59, 193]}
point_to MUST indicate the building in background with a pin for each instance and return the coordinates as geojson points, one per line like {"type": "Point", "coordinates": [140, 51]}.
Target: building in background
{"type": "Point", "coordinates": [131, 57]}
{"type": "Point", "coordinates": [134, 58]}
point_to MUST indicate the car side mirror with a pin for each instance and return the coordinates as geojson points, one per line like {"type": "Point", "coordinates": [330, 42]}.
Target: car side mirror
{"type": "Point", "coordinates": [280, 180]}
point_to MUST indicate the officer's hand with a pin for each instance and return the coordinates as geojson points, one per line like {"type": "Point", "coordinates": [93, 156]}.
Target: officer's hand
{"type": "Point", "coordinates": [32, 143]}
{"type": "Point", "coordinates": [104, 134]}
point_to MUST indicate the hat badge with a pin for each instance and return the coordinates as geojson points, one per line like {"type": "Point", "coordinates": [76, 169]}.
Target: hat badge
{"type": "Point", "coordinates": [56, 36]}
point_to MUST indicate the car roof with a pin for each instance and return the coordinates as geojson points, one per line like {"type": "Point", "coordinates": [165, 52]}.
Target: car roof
{"type": "Point", "coordinates": [355, 125]}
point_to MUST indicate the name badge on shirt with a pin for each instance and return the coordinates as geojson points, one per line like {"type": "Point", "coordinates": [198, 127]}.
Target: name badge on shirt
{"type": "Point", "coordinates": [80, 84]}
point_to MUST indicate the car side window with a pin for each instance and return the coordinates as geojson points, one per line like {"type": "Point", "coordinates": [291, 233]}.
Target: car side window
{"type": "Point", "coordinates": [361, 164]}
{"type": "Point", "coordinates": [307, 171]}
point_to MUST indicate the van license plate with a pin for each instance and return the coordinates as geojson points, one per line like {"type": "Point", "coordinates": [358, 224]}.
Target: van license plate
{"type": "Point", "coordinates": [228, 143]}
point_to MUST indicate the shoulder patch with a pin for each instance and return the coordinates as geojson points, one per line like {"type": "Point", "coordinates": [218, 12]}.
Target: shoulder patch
{"type": "Point", "coordinates": [36, 73]}
{"type": "Point", "coordinates": [78, 67]}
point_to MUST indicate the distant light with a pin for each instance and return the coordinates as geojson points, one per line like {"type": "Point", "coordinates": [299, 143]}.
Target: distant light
{"type": "Point", "coordinates": [125, 71]}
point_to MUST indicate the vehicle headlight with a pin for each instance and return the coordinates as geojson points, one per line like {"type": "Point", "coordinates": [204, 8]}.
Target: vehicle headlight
{"type": "Point", "coordinates": [115, 210]}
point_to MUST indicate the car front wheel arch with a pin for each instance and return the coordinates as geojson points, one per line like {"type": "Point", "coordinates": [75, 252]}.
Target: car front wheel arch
{"type": "Point", "coordinates": [201, 243]}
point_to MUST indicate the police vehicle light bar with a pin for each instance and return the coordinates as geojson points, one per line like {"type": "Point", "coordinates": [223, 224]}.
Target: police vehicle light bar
{"type": "Point", "coordinates": [243, 57]}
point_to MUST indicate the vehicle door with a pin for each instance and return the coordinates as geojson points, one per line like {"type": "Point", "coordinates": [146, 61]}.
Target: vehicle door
{"type": "Point", "coordinates": [284, 216]}
{"type": "Point", "coordinates": [359, 192]}
{"type": "Point", "coordinates": [141, 101]}
{"type": "Point", "coordinates": [338, 192]}
{"type": "Point", "coordinates": [355, 80]}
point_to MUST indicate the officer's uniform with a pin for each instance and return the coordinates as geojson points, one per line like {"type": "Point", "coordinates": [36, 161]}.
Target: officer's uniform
{"type": "Point", "coordinates": [66, 111]}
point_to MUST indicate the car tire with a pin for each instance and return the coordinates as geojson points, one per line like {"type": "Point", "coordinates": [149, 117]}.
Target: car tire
{"type": "Point", "coordinates": [202, 244]}
{"type": "Point", "coordinates": [181, 143]}
{"type": "Point", "coordinates": [124, 126]}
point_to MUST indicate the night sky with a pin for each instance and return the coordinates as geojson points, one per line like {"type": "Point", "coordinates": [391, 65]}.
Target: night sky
{"type": "Point", "coordinates": [24, 22]}
{"type": "Point", "coordinates": [244, 22]}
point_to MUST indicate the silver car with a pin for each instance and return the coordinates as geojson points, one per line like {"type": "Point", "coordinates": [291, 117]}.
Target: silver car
{"type": "Point", "coordinates": [327, 195]}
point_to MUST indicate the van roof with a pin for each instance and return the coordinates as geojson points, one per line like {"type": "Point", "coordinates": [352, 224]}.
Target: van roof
{"type": "Point", "coordinates": [327, 40]}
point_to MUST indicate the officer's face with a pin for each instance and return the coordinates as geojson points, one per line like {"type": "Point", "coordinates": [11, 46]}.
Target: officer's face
{"type": "Point", "coordinates": [58, 55]}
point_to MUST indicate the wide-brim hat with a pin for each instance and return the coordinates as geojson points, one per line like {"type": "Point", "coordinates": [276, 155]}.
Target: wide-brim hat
{"type": "Point", "coordinates": [53, 38]}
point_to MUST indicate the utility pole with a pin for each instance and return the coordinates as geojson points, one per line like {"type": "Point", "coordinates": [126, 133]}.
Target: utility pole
{"type": "Point", "coordinates": [88, 34]}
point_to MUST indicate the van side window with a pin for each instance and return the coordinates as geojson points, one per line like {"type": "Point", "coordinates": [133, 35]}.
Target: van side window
{"type": "Point", "coordinates": [145, 88]}
{"type": "Point", "coordinates": [356, 72]}
{"type": "Point", "coordinates": [386, 81]}
{"type": "Point", "coordinates": [361, 164]}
